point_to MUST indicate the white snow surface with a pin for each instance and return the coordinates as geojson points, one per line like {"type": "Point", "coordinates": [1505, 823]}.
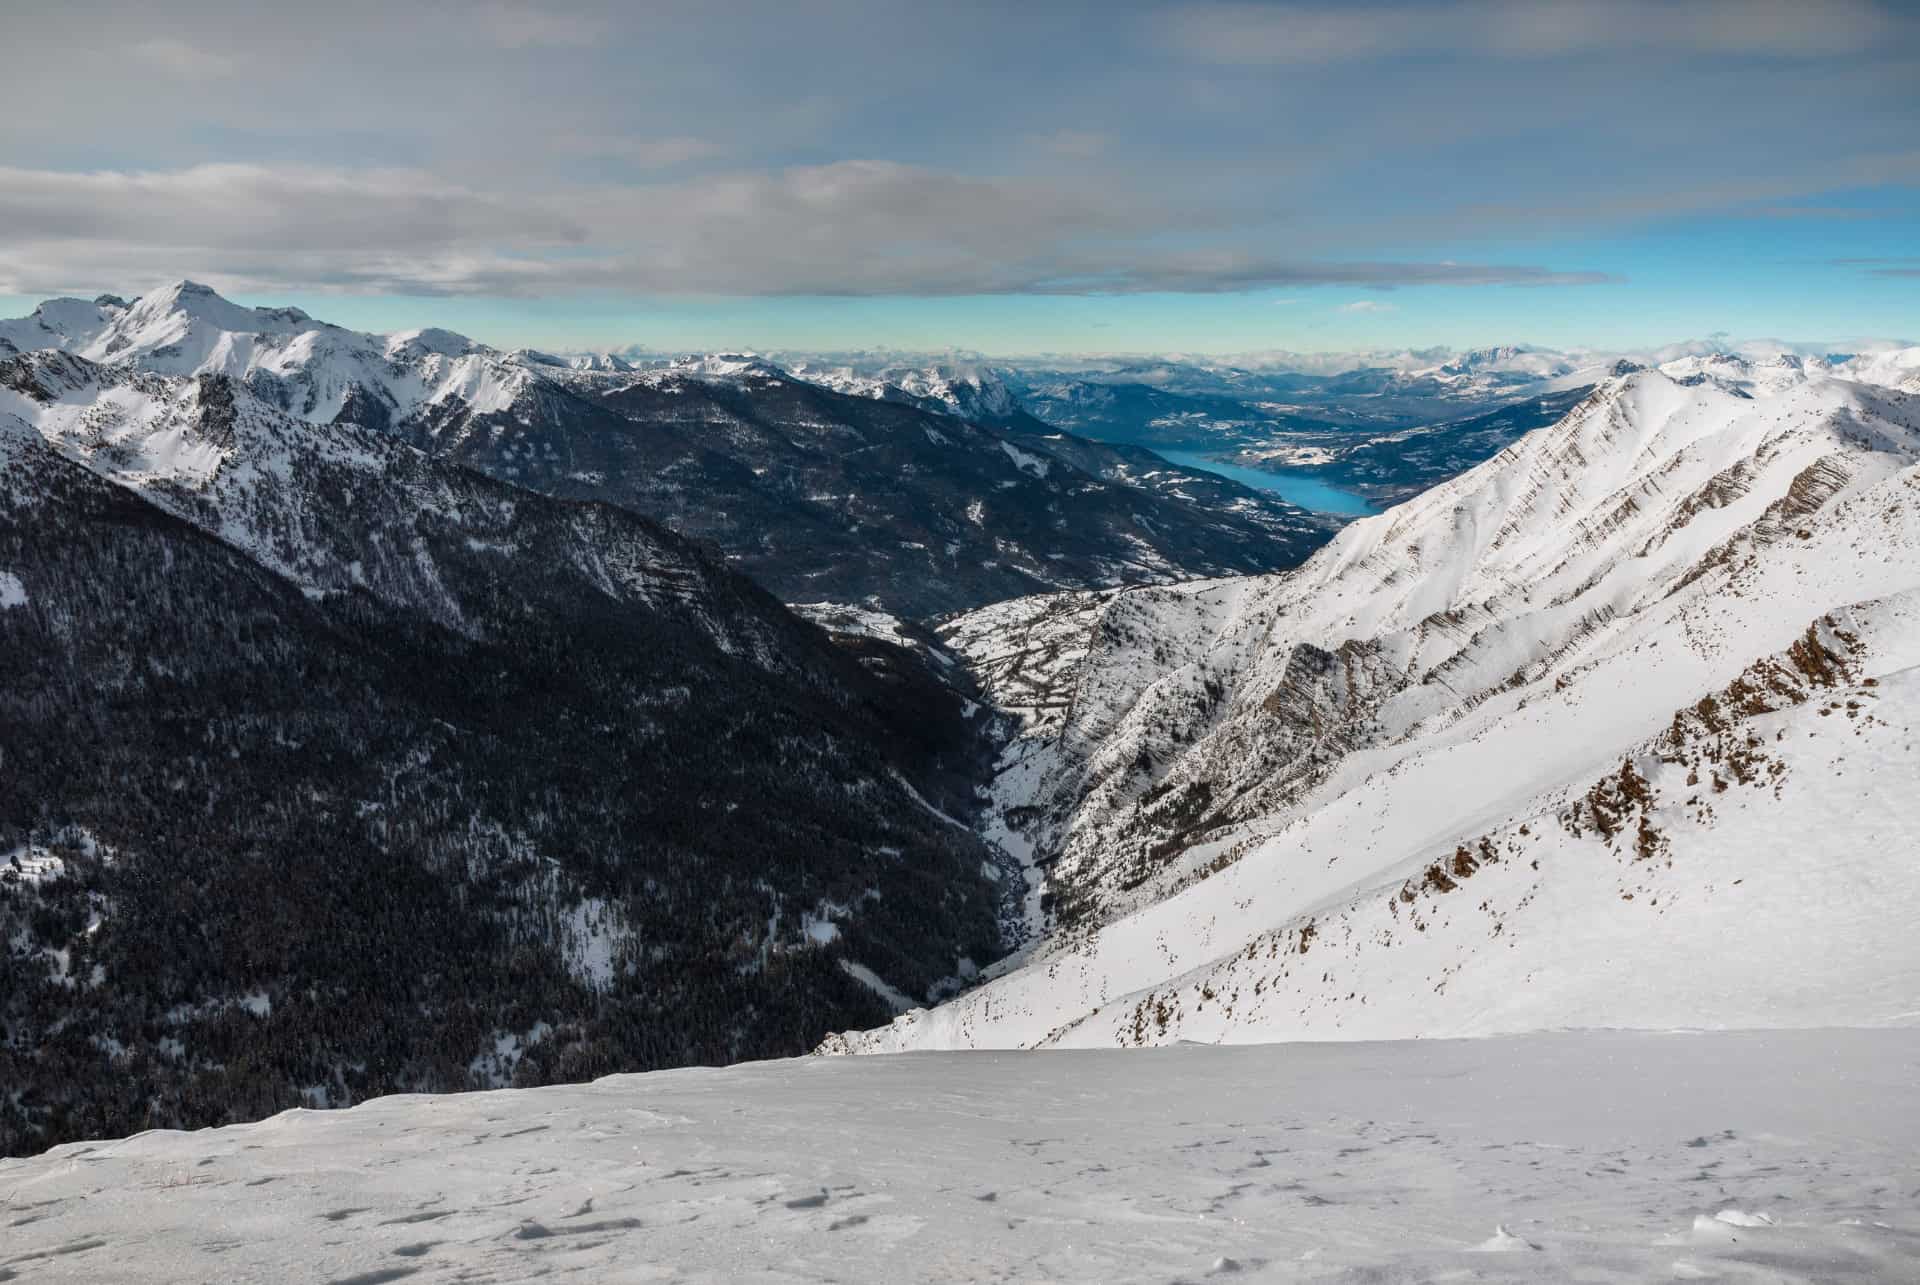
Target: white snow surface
{"type": "Point", "coordinates": [1598, 1156]}
{"type": "Point", "coordinates": [844, 618]}
{"type": "Point", "coordinates": [12, 592]}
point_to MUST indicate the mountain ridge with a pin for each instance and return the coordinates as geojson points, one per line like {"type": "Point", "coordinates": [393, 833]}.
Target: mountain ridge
{"type": "Point", "coordinates": [330, 769]}
{"type": "Point", "coordinates": [910, 503]}
{"type": "Point", "coordinates": [1545, 655]}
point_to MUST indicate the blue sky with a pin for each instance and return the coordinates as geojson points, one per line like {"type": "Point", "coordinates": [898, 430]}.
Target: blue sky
{"type": "Point", "coordinates": [1003, 178]}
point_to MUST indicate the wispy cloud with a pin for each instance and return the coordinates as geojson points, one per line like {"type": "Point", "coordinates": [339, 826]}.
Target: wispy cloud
{"type": "Point", "coordinates": [646, 153]}
{"type": "Point", "coordinates": [181, 59]}
{"type": "Point", "coordinates": [1832, 213]}
{"type": "Point", "coordinates": [1080, 143]}
{"type": "Point", "coordinates": [509, 25]}
{"type": "Point", "coordinates": [1897, 266]}
{"type": "Point", "coordinates": [286, 207]}
{"type": "Point", "coordinates": [852, 228]}
{"type": "Point", "coordinates": [1521, 29]}
{"type": "Point", "coordinates": [1366, 306]}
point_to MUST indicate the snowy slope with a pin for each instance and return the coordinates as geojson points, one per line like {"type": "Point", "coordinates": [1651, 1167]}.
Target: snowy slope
{"type": "Point", "coordinates": [1251, 794]}
{"type": "Point", "coordinates": [1595, 1157]}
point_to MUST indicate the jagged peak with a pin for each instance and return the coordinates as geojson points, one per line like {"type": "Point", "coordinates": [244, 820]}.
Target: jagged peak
{"type": "Point", "coordinates": [725, 365]}
{"type": "Point", "coordinates": [599, 361]}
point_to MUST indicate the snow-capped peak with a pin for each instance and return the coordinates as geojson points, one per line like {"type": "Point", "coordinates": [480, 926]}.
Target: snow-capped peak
{"type": "Point", "coordinates": [967, 389]}
{"type": "Point", "coordinates": [187, 305]}
{"type": "Point", "coordinates": [65, 323]}
{"type": "Point", "coordinates": [600, 362]}
{"type": "Point", "coordinates": [431, 341]}
{"type": "Point", "coordinates": [316, 371]}
{"type": "Point", "coordinates": [535, 357]}
{"type": "Point", "coordinates": [724, 366]}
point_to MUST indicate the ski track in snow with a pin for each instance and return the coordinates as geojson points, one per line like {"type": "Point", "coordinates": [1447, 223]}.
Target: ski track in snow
{"type": "Point", "coordinates": [1598, 1156]}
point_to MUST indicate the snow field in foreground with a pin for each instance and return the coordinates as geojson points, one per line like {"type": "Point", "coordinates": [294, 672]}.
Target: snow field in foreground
{"type": "Point", "coordinates": [1598, 1156]}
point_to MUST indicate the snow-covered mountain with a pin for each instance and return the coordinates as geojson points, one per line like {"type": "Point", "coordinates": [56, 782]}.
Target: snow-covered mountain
{"type": "Point", "coordinates": [329, 768]}
{"type": "Point", "coordinates": [1289, 400]}
{"type": "Point", "coordinates": [971, 390]}
{"type": "Point", "coordinates": [1603, 732]}
{"type": "Point", "coordinates": [916, 502]}
{"type": "Point", "coordinates": [315, 371]}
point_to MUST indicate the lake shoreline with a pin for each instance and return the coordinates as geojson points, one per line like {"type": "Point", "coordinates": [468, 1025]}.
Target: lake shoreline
{"type": "Point", "coordinates": [1294, 486]}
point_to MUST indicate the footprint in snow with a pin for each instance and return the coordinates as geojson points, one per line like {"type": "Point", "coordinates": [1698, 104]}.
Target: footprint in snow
{"type": "Point", "coordinates": [1503, 1242]}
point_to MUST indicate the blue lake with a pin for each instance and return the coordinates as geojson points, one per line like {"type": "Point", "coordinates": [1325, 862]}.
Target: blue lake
{"type": "Point", "coordinates": [1295, 488]}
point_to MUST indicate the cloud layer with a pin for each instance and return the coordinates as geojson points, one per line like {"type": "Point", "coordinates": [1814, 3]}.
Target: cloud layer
{"type": "Point", "coordinates": [849, 228]}
{"type": "Point", "coordinates": [867, 148]}
{"type": "Point", "coordinates": [1523, 29]}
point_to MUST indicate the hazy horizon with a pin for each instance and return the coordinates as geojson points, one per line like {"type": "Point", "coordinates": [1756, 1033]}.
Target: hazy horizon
{"type": "Point", "coordinates": [335, 308]}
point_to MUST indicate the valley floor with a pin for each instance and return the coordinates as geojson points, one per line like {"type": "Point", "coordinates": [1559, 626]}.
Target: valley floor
{"type": "Point", "coordinates": [1740, 1156]}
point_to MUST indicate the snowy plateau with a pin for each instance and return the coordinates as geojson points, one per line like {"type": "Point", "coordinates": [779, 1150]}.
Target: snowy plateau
{"type": "Point", "coordinates": [1522, 888]}
{"type": "Point", "coordinates": [1603, 1156]}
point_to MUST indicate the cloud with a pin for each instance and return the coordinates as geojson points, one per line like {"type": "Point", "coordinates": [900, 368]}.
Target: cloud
{"type": "Point", "coordinates": [257, 207]}
{"type": "Point", "coordinates": [1254, 34]}
{"type": "Point", "coordinates": [1733, 197]}
{"type": "Point", "coordinates": [526, 26]}
{"type": "Point", "coordinates": [1899, 266]}
{"type": "Point", "coordinates": [180, 59]}
{"type": "Point", "coordinates": [1366, 306]}
{"type": "Point", "coordinates": [647, 153]}
{"type": "Point", "coordinates": [1848, 213]}
{"type": "Point", "coordinates": [1078, 143]}
{"type": "Point", "coordinates": [852, 228]}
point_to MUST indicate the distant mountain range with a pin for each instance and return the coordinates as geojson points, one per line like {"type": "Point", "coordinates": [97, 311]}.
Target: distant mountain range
{"type": "Point", "coordinates": [920, 499]}
{"type": "Point", "coordinates": [1384, 426]}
